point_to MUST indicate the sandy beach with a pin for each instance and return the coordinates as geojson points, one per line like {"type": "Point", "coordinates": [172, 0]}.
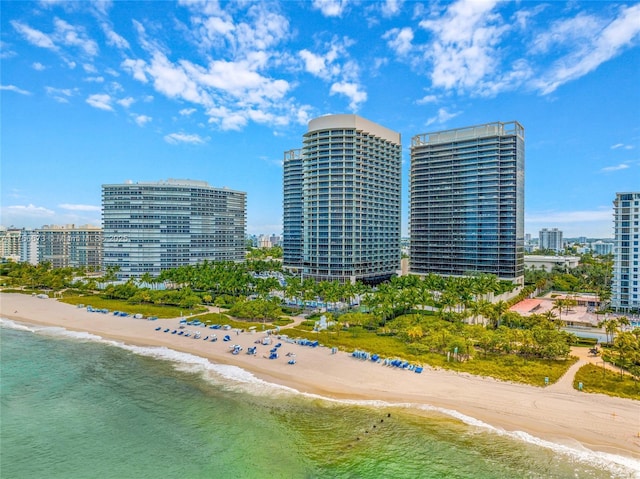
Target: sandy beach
{"type": "Point", "coordinates": [557, 413]}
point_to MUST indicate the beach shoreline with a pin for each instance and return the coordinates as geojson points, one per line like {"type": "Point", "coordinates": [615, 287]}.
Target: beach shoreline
{"type": "Point", "coordinates": [561, 416]}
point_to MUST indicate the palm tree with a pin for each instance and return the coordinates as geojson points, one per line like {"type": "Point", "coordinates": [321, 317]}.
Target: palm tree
{"type": "Point", "coordinates": [498, 310]}
{"type": "Point", "coordinates": [610, 326]}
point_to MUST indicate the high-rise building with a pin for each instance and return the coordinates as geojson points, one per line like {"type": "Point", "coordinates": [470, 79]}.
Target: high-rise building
{"type": "Point", "coordinates": [292, 210]}
{"type": "Point", "coordinates": [467, 201]}
{"type": "Point", "coordinates": [602, 247]}
{"type": "Point", "coordinates": [346, 179]}
{"type": "Point", "coordinates": [29, 246]}
{"type": "Point", "coordinates": [151, 227]}
{"type": "Point", "coordinates": [10, 239]}
{"type": "Point", "coordinates": [70, 246]}
{"type": "Point", "coordinates": [551, 239]}
{"type": "Point", "coordinates": [624, 285]}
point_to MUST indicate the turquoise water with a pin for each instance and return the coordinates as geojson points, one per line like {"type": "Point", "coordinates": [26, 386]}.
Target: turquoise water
{"type": "Point", "coordinates": [76, 406]}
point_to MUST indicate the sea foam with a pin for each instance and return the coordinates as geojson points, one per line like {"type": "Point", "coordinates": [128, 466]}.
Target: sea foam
{"type": "Point", "coordinates": [236, 378]}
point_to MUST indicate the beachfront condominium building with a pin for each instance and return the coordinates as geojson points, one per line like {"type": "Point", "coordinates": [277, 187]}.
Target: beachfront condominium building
{"type": "Point", "coordinates": [342, 201]}
{"type": "Point", "coordinates": [551, 239]}
{"type": "Point", "coordinates": [69, 245]}
{"type": "Point", "coordinates": [626, 256]}
{"type": "Point", "coordinates": [292, 210]}
{"type": "Point", "coordinates": [151, 227]}
{"type": "Point", "coordinates": [10, 239]}
{"type": "Point", "coordinates": [29, 246]}
{"type": "Point", "coordinates": [467, 201]}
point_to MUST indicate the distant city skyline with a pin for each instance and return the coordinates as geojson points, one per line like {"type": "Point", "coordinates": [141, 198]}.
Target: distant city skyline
{"type": "Point", "coordinates": [103, 92]}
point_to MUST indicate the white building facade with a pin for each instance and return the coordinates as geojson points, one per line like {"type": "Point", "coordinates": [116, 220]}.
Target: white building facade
{"type": "Point", "coordinates": [625, 296]}
{"type": "Point", "coordinates": [347, 180]}
{"type": "Point", "coordinates": [551, 239]}
{"type": "Point", "coordinates": [151, 227]}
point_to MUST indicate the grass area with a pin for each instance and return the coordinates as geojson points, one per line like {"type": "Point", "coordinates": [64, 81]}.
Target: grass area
{"type": "Point", "coordinates": [118, 305]}
{"type": "Point", "coordinates": [504, 367]}
{"type": "Point", "coordinates": [610, 382]}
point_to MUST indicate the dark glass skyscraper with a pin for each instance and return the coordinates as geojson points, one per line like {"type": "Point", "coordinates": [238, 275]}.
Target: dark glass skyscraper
{"type": "Point", "coordinates": [350, 197]}
{"type": "Point", "coordinates": [467, 201]}
{"type": "Point", "coordinates": [292, 210]}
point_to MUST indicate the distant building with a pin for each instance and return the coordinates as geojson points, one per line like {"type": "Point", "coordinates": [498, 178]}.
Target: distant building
{"type": "Point", "coordinates": [626, 256]}
{"type": "Point", "coordinates": [602, 248]}
{"type": "Point", "coordinates": [151, 227]}
{"type": "Point", "coordinates": [342, 201]}
{"type": "Point", "coordinates": [70, 246]}
{"type": "Point", "coordinates": [10, 243]}
{"type": "Point", "coordinates": [467, 201]}
{"type": "Point", "coordinates": [29, 246]}
{"type": "Point", "coordinates": [265, 241]}
{"type": "Point", "coordinates": [547, 263]}
{"type": "Point", "coordinates": [551, 239]}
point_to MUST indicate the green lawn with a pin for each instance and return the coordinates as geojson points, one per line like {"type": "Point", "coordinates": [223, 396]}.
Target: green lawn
{"type": "Point", "coordinates": [118, 305]}
{"type": "Point", "coordinates": [596, 380]}
{"type": "Point", "coordinates": [504, 367]}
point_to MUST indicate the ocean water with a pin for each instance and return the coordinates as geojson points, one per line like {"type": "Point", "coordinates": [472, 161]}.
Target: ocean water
{"type": "Point", "coordinates": [77, 406]}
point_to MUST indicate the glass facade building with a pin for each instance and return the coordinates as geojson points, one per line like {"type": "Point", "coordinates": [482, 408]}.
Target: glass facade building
{"type": "Point", "coordinates": [467, 201]}
{"type": "Point", "coordinates": [349, 189]}
{"type": "Point", "coordinates": [151, 227]}
{"type": "Point", "coordinates": [292, 210]}
{"type": "Point", "coordinates": [626, 256]}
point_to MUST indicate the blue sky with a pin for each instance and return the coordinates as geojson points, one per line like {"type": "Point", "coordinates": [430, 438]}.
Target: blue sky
{"type": "Point", "coordinates": [103, 92]}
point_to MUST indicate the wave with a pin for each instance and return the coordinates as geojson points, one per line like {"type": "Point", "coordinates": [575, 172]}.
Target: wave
{"type": "Point", "coordinates": [241, 380]}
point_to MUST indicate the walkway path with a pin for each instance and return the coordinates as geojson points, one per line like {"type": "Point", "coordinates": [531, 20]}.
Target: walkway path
{"type": "Point", "coordinates": [565, 383]}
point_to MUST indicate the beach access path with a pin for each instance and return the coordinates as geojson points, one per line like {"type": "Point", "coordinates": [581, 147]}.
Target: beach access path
{"type": "Point", "coordinates": [556, 413]}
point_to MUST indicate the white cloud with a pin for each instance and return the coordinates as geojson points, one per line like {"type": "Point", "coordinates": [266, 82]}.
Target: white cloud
{"type": "Point", "coordinates": [76, 207]}
{"type": "Point", "coordinates": [64, 35]}
{"type": "Point", "coordinates": [101, 101]}
{"type": "Point", "coordinates": [187, 111]}
{"type": "Point", "coordinates": [399, 40]}
{"type": "Point", "coordinates": [442, 117]}
{"type": "Point", "coordinates": [427, 99]}
{"type": "Point", "coordinates": [314, 64]}
{"type": "Point", "coordinates": [390, 8]}
{"type": "Point", "coordinates": [74, 36]}
{"type": "Point", "coordinates": [38, 66]}
{"type": "Point", "coordinates": [15, 89]}
{"type": "Point", "coordinates": [330, 8]}
{"type": "Point", "coordinates": [172, 81]}
{"type": "Point", "coordinates": [621, 166]}
{"type": "Point", "coordinates": [33, 36]}
{"type": "Point", "coordinates": [591, 42]}
{"type": "Point", "coordinates": [175, 138]}
{"type": "Point", "coordinates": [113, 38]}
{"type": "Point", "coordinates": [325, 66]}
{"type": "Point", "coordinates": [126, 102]}
{"type": "Point", "coordinates": [61, 95]}
{"type": "Point", "coordinates": [463, 52]}
{"type": "Point", "coordinates": [136, 68]}
{"type": "Point", "coordinates": [350, 90]}
{"type": "Point", "coordinates": [29, 210]}
{"type": "Point", "coordinates": [621, 145]}
{"type": "Point", "coordinates": [142, 120]}
{"type": "Point", "coordinates": [94, 79]}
